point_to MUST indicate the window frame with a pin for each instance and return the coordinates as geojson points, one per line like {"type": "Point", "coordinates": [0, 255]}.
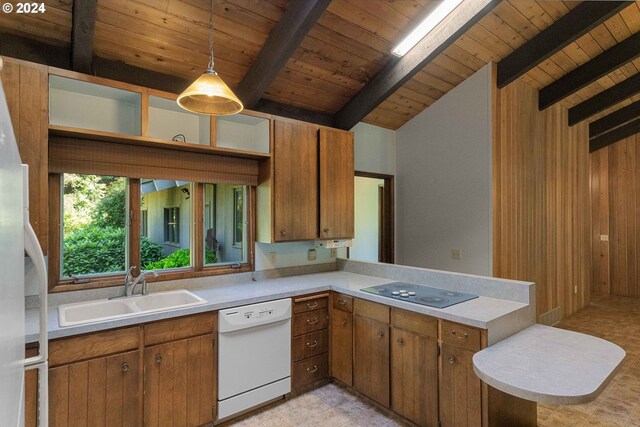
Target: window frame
{"type": "Point", "coordinates": [176, 226]}
{"type": "Point", "coordinates": [197, 268]}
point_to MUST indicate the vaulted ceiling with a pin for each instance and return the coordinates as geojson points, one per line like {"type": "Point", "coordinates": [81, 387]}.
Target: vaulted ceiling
{"type": "Point", "coordinates": [341, 49]}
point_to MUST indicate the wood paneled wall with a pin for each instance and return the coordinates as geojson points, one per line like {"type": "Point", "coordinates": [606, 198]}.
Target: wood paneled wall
{"type": "Point", "coordinates": [615, 192]}
{"type": "Point", "coordinates": [26, 88]}
{"type": "Point", "coordinates": [541, 199]}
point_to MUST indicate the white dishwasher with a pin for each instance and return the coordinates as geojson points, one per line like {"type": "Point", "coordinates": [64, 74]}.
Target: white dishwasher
{"type": "Point", "coordinates": [254, 355]}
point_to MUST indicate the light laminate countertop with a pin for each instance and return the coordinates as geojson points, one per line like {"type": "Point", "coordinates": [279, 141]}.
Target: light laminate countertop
{"type": "Point", "coordinates": [549, 365]}
{"type": "Point", "coordinates": [483, 312]}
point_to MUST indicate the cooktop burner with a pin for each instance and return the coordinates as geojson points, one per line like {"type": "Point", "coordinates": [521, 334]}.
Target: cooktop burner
{"type": "Point", "coordinates": [418, 294]}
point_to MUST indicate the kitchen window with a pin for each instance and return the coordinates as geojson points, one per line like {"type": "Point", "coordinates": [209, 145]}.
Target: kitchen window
{"type": "Point", "coordinates": [225, 220]}
{"type": "Point", "coordinates": [109, 224]}
{"type": "Point", "coordinates": [93, 225]}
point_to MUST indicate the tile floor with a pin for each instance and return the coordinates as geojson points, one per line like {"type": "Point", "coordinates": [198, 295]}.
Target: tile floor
{"type": "Point", "coordinates": [613, 318]}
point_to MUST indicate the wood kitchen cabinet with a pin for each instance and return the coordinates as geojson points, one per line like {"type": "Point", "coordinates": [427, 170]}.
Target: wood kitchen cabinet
{"type": "Point", "coordinates": [95, 380]}
{"type": "Point", "coordinates": [414, 367]}
{"type": "Point", "coordinates": [460, 387]}
{"type": "Point", "coordinates": [306, 189]}
{"type": "Point", "coordinates": [342, 338]}
{"type": "Point", "coordinates": [336, 184]}
{"type": "Point", "coordinates": [371, 350]}
{"type": "Point", "coordinates": [295, 181]}
{"type": "Point", "coordinates": [180, 371]}
{"type": "Point", "coordinates": [310, 347]}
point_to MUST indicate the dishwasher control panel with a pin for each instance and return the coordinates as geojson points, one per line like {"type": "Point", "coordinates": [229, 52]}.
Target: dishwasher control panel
{"type": "Point", "coordinates": [248, 316]}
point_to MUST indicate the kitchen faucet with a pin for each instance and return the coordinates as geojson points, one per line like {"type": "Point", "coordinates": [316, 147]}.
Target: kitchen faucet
{"type": "Point", "coordinates": [130, 283]}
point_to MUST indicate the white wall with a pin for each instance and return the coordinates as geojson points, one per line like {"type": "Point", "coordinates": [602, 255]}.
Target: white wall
{"type": "Point", "coordinates": [374, 149]}
{"type": "Point", "coordinates": [443, 181]}
{"type": "Point", "coordinates": [367, 219]}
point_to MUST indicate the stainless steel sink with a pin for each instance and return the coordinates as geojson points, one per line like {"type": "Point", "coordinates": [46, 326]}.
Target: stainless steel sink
{"type": "Point", "coordinates": [102, 310]}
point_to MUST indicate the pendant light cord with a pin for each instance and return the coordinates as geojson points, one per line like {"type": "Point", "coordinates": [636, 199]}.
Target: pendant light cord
{"type": "Point", "coordinates": [210, 66]}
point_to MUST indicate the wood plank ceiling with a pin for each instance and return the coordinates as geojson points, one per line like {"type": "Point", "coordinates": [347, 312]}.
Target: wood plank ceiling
{"type": "Point", "coordinates": [348, 45]}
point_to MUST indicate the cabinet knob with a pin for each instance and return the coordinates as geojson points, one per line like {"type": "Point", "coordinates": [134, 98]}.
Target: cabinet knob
{"type": "Point", "coordinates": [400, 341]}
{"type": "Point", "coordinates": [313, 344]}
{"type": "Point", "coordinates": [342, 301]}
{"type": "Point", "coordinates": [380, 334]}
{"type": "Point", "coordinates": [125, 367]}
{"type": "Point", "coordinates": [451, 359]}
{"type": "Point", "coordinates": [326, 230]}
{"type": "Point", "coordinates": [463, 337]}
{"type": "Point", "coordinates": [312, 322]}
{"type": "Point", "coordinates": [312, 370]}
{"type": "Point", "coordinates": [283, 232]}
{"type": "Point", "coordinates": [158, 358]}
{"type": "Point", "coordinates": [311, 306]}
{"type": "Point", "coordinates": [345, 323]}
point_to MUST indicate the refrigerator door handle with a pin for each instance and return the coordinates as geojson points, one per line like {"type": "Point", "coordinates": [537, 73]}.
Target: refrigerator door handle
{"type": "Point", "coordinates": [33, 250]}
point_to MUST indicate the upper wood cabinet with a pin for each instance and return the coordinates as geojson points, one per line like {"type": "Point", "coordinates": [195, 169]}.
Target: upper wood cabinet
{"type": "Point", "coordinates": [295, 181]}
{"type": "Point", "coordinates": [336, 184]}
{"type": "Point", "coordinates": [306, 189]}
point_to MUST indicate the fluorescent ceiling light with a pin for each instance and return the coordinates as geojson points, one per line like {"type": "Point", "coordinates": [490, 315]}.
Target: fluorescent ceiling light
{"type": "Point", "coordinates": [425, 27]}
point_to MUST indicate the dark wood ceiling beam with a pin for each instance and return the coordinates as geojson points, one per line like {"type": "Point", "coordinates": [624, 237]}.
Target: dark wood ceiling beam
{"type": "Point", "coordinates": [82, 32]}
{"type": "Point", "coordinates": [577, 22]}
{"type": "Point", "coordinates": [605, 99]}
{"type": "Point", "coordinates": [614, 136]}
{"type": "Point", "coordinates": [31, 50]}
{"type": "Point", "coordinates": [397, 72]}
{"type": "Point", "coordinates": [615, 119]}
{"type": "Point", "coordinates": [283, 40]}
{"type": "Point", "coordinates": [603, 64]}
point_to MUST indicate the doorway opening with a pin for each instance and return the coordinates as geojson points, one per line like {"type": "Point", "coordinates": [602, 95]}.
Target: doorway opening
{"type": "Point", "coordinates": [374, 223]}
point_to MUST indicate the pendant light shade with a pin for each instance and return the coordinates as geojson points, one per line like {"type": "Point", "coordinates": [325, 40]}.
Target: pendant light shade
{"type": "Point", "coordinates": [210, 95]}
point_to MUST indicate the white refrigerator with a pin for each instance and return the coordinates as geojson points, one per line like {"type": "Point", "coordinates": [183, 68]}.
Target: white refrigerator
{"type": "Point", "coordinates": [17, 241]}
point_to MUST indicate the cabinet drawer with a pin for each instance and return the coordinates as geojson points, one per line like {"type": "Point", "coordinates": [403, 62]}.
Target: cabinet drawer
{"type": "Point", "coordinates": [414, 322]}
{"type": "Point", "coordinates": [179, 328]}
{"type": "Point", "coordinates": [371, 310]}
{"type": "Point", "coordinates": [310, 345]}
{"type": "Point", "coordinates": [310, 322]}
{"type": "Point", "coordinates": [314, 302]}
{"type": "Point", "coordinates": [460, 336]}
{"type": "Point", "coordinates": [94, 345]}
{"type": "Point", "coordinates": [342, 302]}
{"type": "Point", "coordinates": [310, 370]}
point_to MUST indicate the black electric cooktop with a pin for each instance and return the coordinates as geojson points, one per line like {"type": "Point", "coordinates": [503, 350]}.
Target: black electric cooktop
{"type": "Point", "coordinates": [418, 294]}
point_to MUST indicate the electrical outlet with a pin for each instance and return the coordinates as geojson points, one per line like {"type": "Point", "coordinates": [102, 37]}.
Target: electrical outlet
{"type": "Point", "coordinates": [311, 255]}
{"type": "Point", "coordinates": [273, 258]}
{"type": "Point", "coordinates": [575, 289]}
{"type": "Point", "coordinates": [604, 237]}
{"type": "Point", "coordinates": [334, 253]}
{"type": "Point", "coordinates": [456, 254]}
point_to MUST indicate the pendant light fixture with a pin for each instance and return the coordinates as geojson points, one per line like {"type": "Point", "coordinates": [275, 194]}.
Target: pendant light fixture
{"type": "Point", "coordinates": [209, 94]}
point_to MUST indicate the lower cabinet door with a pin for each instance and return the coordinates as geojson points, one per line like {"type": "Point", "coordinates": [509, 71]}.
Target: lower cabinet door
{"type": "Point", "coordinates": [371, 359]}
{"type": "Point", "coordinates": [414, 377]}
{"type": "Point", "coordinates": [342, 346]}
{"type": "Point", "coordinates": [99, 392]}
{"type": "Point", "coordinates": [179, 383]}
{"type": "Point", "coordinates": [460, 389]}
